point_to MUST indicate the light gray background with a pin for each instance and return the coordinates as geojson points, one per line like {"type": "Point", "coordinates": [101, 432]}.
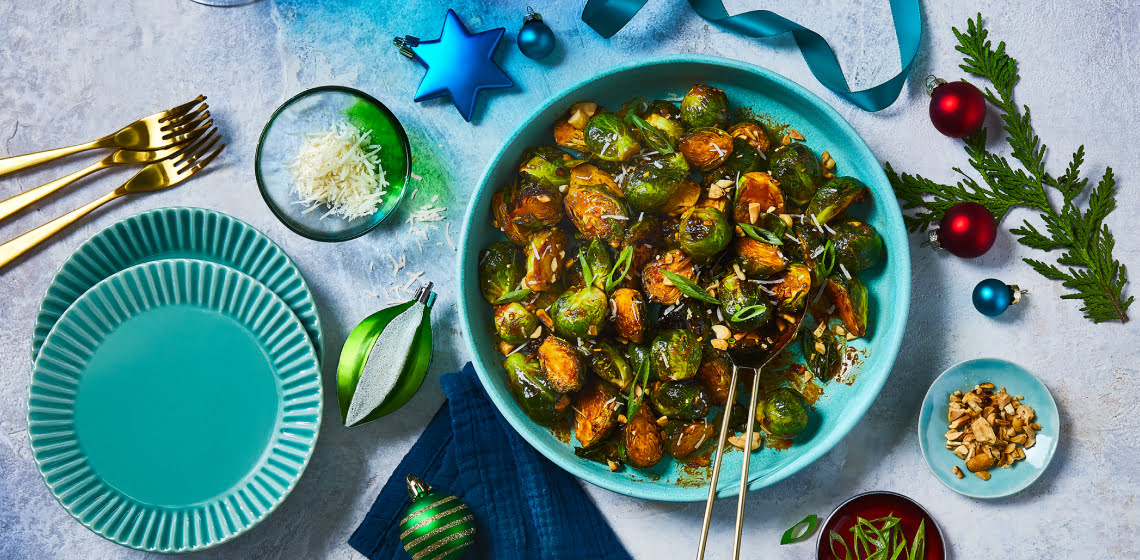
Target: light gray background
{"type": "Point", "coordinates": [72, 70]}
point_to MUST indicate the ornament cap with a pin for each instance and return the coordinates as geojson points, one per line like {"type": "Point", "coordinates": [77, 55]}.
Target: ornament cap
{"type": "Point", "coordinates": [1018, 293]}
{"type": "Point", "coordinates": [932, 237]}
{"type": "Point", "coordinates": [425, 295]}
{"type": "Point", "coordinates": [417, 487]}
{"type": "Point", "coordinates": [932, 83]}
{"type": "Point", "coordinates": [531, 15]}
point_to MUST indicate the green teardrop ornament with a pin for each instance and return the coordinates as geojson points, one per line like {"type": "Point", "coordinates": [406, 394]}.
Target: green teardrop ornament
{"type": "Point", "coordinates": [436, 525]}
{"type": "Point", "coordinates": [384, 360]}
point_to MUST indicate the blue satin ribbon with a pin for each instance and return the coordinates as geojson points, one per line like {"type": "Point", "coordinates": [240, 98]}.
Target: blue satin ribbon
{"type": "Point", "coordinates": [607, 17]}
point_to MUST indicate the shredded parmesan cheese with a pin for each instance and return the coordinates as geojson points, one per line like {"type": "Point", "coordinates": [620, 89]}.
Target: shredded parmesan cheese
{"type": "Point", "coordinates": [339, 169]}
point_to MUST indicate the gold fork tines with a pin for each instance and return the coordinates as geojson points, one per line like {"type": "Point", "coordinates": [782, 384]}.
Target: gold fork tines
{"type": "Point", "coordinates": [160, 130]}
{"type": "Point", "coordinates": [183, 164]}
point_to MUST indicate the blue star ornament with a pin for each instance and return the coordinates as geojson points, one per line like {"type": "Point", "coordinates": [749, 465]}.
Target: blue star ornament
{"type": "Point", "coordinates": [460, 64]}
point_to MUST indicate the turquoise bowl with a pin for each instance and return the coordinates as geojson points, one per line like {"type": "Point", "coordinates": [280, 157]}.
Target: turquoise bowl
{"type": "Point", "coordinates": [932, 427]}
{"type": "Point", "coordinates": [784, 101]}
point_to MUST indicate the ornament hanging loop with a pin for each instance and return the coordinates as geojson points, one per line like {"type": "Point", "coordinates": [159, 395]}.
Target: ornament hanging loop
{"type": "Point", "coordinates": [416, 486]}
{"type": "Point", "coordinates": [532, 15]}
{"type": "Point", "coordinates": [932, 83]}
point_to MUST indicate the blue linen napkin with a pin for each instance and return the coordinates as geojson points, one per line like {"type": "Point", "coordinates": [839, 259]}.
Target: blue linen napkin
{"type": "Point", "coordinates": [525, 507]}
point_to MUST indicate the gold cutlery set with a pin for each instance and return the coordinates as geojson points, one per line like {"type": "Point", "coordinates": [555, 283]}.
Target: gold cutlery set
{"type": "Point", "coordinates": [174, 144]}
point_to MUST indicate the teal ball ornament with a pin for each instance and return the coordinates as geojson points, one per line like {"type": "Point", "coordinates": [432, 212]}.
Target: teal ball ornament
{"type": "Point", "coordinates": [992, 296]}
{"type": "Point", "coordinates": [535, 39]}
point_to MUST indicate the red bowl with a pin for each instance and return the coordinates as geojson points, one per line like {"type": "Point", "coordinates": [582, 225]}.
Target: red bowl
{"type": "Point", "coordinates": [873, 505]}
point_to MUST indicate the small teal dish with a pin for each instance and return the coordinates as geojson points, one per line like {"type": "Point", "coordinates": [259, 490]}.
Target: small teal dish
{"type": "Point", "coordinates": [784, 101]}
{"type": "Point", "coordinates": [932, 427]}
{"type": "Point", "coordinates": [318, 110]}
{"type": "Point", "coordinates": [174, 405]}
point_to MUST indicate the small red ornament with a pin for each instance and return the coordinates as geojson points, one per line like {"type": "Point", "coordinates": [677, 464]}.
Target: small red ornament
{"type": "Point", "coordinates": [957, 109]}
{"type": "Point", "coordinates": [967, 230]}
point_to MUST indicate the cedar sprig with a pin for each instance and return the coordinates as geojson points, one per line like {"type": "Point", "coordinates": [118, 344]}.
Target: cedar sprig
{"type": "Point", "coordinates": [1085, 265]}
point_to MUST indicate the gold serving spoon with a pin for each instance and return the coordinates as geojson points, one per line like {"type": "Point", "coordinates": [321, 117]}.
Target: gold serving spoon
{"type": "Point", "coordinates": [160, 130]}
{"type": "Point", "coordinates": [157, 176]}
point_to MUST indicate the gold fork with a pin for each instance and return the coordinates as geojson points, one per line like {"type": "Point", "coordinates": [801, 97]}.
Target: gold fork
{"type": "Point", "coordinates": [157, 176]}
{"type": "Point", "coordinates": [162, 129]}
{"type": "Point", "coordinates": [119, 157]}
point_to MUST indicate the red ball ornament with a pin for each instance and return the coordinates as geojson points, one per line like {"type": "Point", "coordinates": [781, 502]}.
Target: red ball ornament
{"type": "Point", "coordinates": [957, 109]}
{"type": "Point", "coordinates": [967, 230]}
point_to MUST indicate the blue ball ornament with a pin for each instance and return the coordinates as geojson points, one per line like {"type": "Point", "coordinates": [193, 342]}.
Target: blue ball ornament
{"type": "Point", "coordinates": [992, 296]}
{"type": "Point", "coordinates": [535, 39]}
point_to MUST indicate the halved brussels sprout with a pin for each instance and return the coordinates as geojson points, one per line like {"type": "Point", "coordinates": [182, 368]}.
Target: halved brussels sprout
{"type": "Point", "coordinates": [588, 174]}
{"type": "Point", "coordinates": [686, 196]}
{"type": "Point", "coordinates": [544, 254]}
{"type": "Point", "coordinates": [715, 375]}
{"type": "Point", "coordinates": [595, 412]}
{"type": "Point", "coordinates": [535, 204]}
{"type": "Point", "coordinates": [850, 298]}
{"type": "Point", "coordinates": [793, 288]}
{"type": "Point", "coordinates": [823, 352]}
{"type": "Point", "coordinates": [629, 314]}
{"type": "Point", "coordinates": [756, 194]}
{"type": "Point", "coordinates": [743, 298]}
{"type": "Point", "coordinates": [704, 106]}
{"type": "Point", "coordinates": [857, 245]}
{"type": "Point", "coordinates": [785, 414]}
{"type": "Point", "coordinates": [538, 400]}
{"type": "Point", "coordinates": [549, 164]}
{"type": "Point", "coordinates": [757, 258]}
{"type": "Point", "coordinates": [685, 438]}
{"type": "Point", "coordinates": [676, 354]}
{"type": "Point", "coordinates": [608, 138]}
{"type": "Point", "coordinates": [515, 323]}
{"type": "Point", "coordinates": [670, 126]}
{"type": "Point", "coordinates": [609, 364]}
{"type": "Point", "coordinates": [653, 180]}
{"type": "Point", "coordinates": [567, 136]}
{"type": "Point", "coordinates": [502, 219]}
{"type": "Point", "coordinates": [643, 440]}
{"type": "Point", "coordinates": [597, 255]}
{"type": "Point", "coordinates": [580, 313]}
{"type": "Point", "coordinates": [796, 168]}
{"type": "Point", "coordinates": [744, 159]}
{"type": "Point", "coordinates": [658, 288]}
{"type": "Point", "coordinates": [501, 270]}
{"type": "Point", "coordinates": [685, 400]}
{"type": "Point", "coordinates": [703, 232]}
{"type": "Point", "coordinates": [835, 196]}
{"type": "Point", "coordinates": [689, 315]}
{"type": "Point", "coordinates": [754, 133]}
{"type": "Point", "coordinates": [597, 214]}
{"type": "Point", "coordinates": [561, 365]}
{"type": "Point", "coordinates": [706, 148]}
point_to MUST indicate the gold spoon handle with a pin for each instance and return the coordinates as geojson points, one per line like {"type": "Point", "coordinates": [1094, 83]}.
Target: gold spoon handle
{"type": "Point", "coordinates": [16, 163]}
{"type": "Point", "coordinates": [747, 461]}
{"type": "Point", "coordinates": [716, 465]}
{"type": "Point", "coordinates": [11, 250]}
{"type": "Point", "coordinates": [27, 198]}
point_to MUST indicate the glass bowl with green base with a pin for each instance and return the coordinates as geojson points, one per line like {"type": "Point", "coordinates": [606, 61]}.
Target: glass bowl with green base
{"type": "Point", "coordinates": [318, 110]}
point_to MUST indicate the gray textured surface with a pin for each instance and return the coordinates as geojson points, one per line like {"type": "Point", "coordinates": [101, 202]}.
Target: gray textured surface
{"type": "Point", "coordinates": [74, 70]}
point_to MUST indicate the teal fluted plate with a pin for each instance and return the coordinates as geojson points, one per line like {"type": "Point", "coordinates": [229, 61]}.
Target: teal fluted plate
{"type": "Point", "coordinates": [174, 405]}
{"type": "Point", "coordinates": [888, 283]}
{"type": "Point", "coordinates": [166, 233]}
{"type": "Point", "coordinates": [933, 424]}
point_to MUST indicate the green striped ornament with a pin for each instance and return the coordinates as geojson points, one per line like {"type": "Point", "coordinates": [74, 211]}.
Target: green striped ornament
{"type": "Point", "coordinates": [437, 526]}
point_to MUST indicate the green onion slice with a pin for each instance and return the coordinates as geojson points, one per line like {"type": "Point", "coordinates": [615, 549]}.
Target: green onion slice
{"type": "Point", "coordinates": [801, 530]}
{"type": "Point", "coordinates": [761, 234]}
{"type": "Point", "coordinates": [689, 288]}
{"type": "Point", "coordinates": [625, 259]}
{"type": "Point", "coordinates": [511, 297]}
{"type": "Point", "coordinates": [749, 312]}
{"type": "Point", "coordinates": [653, 137]}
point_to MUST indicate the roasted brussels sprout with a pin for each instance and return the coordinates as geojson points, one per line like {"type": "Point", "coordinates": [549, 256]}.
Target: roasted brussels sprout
{"type": "Point", "coordinates": [644, 442]}
{"type": "Point", "coordinates": [785, 413]}
{"type": "Point", "coordinates": [501, 269]}
{"type": "Point", "coordinates": [793, 288]}
{"type": "Point", "coordinates": [744, 305]}
{"type": "Point", "coordinates": [715, 375]}
{"type": "Point", "coordinates": [676, 354]}
{"type": "Point", "coordinates": [744, 159]}
{"type": "Point", "coordinates": [706, 148]}
{"type": "Point", "coordinates": [658, 288]}
{"type": "Point", "coordinates": [580, 313]}
{"type": "Point", "coordinates": [645, 237]}
{"type": "Point", "coordinates": [596, 213]}
{"type": "Point", "coordinates": [686, 196]}
{"type": "Point", "coordinates": [538, 400]}
{"type": "Point", "coordinates": [502, 215]}
{"type": "Point", "coordinates": [535, 204]}
{"type": "Point", "coordinates": [591, 175]}
{"type": "Point", "coordinates": [653, 180]}
{"type": "Point", "coordinates": [704, 106]}
{"type": "Point", "coordinates": [857, 245]}
{"type": "Point", "coordinates": [597, 256]}
{"type": "Point", "coordinates": [515, 323]}
{"type": "Point", "coordinates": [850, 298]}
{"type": "Point", "coordinates": [561, 365]}
{"type": "Point", "coordinates": [689, 315]}
{"type": "Point", "coordinates": [703, 232]}
{"type": "Point", "coordinates": [823, 352]}
{"type": "Point", "coordinates": [757, 258]}
{"type": "Point", "coordinates": [548, 164]}
{"type": "Point", "coordinates": [796, 168]}
{"type": "Point", "coordinates": [835, 196]}
{"type": "Point", "coordinates": [609, 364]}
{"type": "Point", "coordinates": [666, 118]}
{"type": "Point", "coordinates": [595, 412]}
{"type": "Point", "coordinates": [544, 254]}
{"type": "Point", "coordinates": [756, 195]}
{"type": "Point", "coordinates": [641, 355]}
{"type": "Point", "coordinates": [629, 314]}
{"type": "Point", "coordinates": [608, 138]}
{"type": "Point", "coordinates": [684, 438]}
{"type": "Point", "coordinates": [685, 400]}
{"type": "Point", "coordinates": [567, 136]}
{"type": "Point", "coordinates": [754, 133]}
